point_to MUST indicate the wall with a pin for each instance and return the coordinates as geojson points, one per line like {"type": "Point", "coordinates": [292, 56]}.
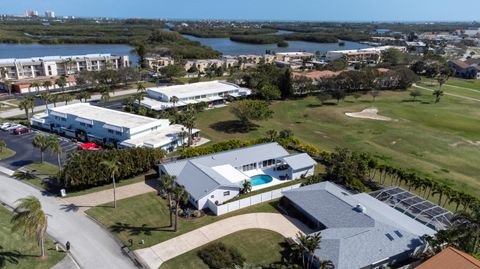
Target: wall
{"type": "Point", "coordinates": [218, 196]}
{"type": "Point", "coordinates": [248, 201]}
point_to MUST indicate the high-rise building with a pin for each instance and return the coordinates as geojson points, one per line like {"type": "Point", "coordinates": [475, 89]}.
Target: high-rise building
{"type": "Point", "coordinates": [49, 14]}
{"type": "Point", "coordinates": [31, 13]}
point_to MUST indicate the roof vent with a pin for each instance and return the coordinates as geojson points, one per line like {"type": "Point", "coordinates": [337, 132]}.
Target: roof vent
{"type": "Point", "coordinates": [360, 208]}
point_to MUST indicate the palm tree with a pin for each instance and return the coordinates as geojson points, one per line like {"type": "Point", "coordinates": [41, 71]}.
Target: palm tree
{"type": "Point", "coordinates": [35, 85]}
{"type": "Point", "coordinates": [31, 100]}
{"type": "Point", "coordinates": [61, 82]}
{"type": "Point", "coordinates": [246, 187]}
{"type": "Point", "coordinates": [272, 135]}
{"type": "Point", "coordinates": [105, 96]}
{"type": "Point", "coordinates": [168, 184]}
{"type": "Point", "coordinates": [47, 84]}
{"type": "Point", "coordinates": [308, 244]}
{"type": "Point", "coordinates": [29, 217]}
{"type": "Point", "coordinates": [41, 142]}
{"type": "Point", "coordinates": [25, 105]}
{"type": "Point", "coordinates": [174, 100]}
{"type": "Point", "coordinates": [54, 98]}
{"type": "Point", "coordinates": [141, 88]}
{"type": "Point", "coordinates": [326, 264]}
{"type": "Point", "coordinates": [113, 168]}
{"type": "Point", "coordinates": [55, 148]}
{"type": "Point", "coordinates": [45, 96]}
{"type": "Point", "coordinates": [188, 120]}
{"type": "Point", "coordinates": [3, 144]}
{"type": "Point", "coordinates": [437, 94]}
{"type": "Point", "coordinates": [67, 98]}
{"type": "Point", "coordinates": [468, 225]}
{"type": "Point", "coordinates": [180, 195]}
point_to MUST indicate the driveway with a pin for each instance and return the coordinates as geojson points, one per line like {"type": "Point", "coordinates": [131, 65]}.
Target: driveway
{"type": "Point", "coordinates": [26, 153]}
{"type": "Point", "coordinates": [91, 246]}
{"type": "Point", "coordinates": [154, 256]}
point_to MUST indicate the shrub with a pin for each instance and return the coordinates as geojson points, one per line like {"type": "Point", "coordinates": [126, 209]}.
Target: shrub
{"type": "Point", "coordinates": [197, 213]}
{"type": "Point", "coordinates": [219, 256]}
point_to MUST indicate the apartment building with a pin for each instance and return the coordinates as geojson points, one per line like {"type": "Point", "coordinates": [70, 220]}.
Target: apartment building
{"type": "Point", "coordinates": [367, 55]}
{"type": "Point", "coordinates": [157, 63]}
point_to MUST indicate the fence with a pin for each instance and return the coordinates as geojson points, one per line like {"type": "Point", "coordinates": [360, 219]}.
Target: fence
{"type": "Point", "coordinates": [249, 201]}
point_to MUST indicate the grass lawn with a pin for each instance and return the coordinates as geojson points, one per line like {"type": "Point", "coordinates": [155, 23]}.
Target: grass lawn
{"type": "Point", "coordinates": [19, 252]}
{"type": "Point", "coordinates": [463, 87]}
{"type": "Point", "coordinates": [431, 138]}
{"type": "Point", "coordinates": [46, 169]}
{"type": "Point", "coordinates": [146, 217]}
{"type": "Point", "coordinates": [124, 182]}
{"type": "Point", "coordinates": [259, 247]}
{"type": "Point", "coordinates": [6, 152]}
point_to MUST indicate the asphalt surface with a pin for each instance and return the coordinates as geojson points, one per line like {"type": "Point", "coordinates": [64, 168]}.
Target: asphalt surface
{"type": "Point", "coordinates": [26, 153]}
{"type": "Point", "coordinates": [91, 246]}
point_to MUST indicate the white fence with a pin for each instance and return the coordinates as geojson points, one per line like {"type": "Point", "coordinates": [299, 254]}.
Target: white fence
{"type": "Point", "coordinates": [249, 201]}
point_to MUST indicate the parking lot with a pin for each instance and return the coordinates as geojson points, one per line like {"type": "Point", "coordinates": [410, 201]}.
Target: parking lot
{"type": "Point", "coordinates": [26, 153]}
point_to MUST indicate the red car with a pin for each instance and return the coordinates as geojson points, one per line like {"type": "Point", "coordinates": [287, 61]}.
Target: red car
{"type": "Point", "coordinates": [21, 130]}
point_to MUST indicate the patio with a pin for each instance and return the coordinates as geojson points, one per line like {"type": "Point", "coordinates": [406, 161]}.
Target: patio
{"type": "Point", "coordinates": [268, 171]}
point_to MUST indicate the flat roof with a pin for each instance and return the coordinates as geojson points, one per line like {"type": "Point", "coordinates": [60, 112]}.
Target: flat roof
{"type": "Point", "coordinates": [54, 58]}
{"type": "Point", "coordinates": [159, 137]}
{"type": "Point", "coordinates": [193, 89]}
{"type": "Point", "coordinates": [109, 116]}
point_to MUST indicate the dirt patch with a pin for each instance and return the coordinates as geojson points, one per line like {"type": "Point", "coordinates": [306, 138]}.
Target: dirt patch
{"type": "Point", "coordinates": [465, 143]}
{"type": "Point", "coordinates": [368, 113]}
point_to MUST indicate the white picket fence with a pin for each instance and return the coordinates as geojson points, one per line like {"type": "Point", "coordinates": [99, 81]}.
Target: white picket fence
{"type": "Point", "coordinates": [249, 201]}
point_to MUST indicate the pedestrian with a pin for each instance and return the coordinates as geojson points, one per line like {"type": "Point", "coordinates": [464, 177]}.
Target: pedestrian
{"type": "Point", "coordinates": [68, 245]}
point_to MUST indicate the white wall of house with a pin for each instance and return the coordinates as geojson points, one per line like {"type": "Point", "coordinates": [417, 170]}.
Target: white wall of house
{"type": "Point", "coordinates": [296, 174]}
{"type": "Point", "coordinates": [221, 195]}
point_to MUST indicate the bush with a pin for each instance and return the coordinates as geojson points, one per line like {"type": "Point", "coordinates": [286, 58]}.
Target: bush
{"type": "Point", "coordinates": [197, 213]}
{"type": "Point", "coordinates": [219, 256]}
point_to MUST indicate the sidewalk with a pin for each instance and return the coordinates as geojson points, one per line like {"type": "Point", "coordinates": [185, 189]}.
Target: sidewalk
{"type": "Point", "coordinates": [87, 201]}
{"type": "Point", "coordinates": [18, 112]}
{"type": "Point", "coordinates": [154, 256]}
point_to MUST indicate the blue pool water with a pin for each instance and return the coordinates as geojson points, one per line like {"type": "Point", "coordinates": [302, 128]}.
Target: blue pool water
{"type": "Point", "coordinates": [260, 180]}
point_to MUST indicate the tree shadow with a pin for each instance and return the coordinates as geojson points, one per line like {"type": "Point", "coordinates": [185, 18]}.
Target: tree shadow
{"type": "Point", "coordinates": [11, 257]}
{"type": "Point", "coordinates": [233, 126]}
{"type": "Point", "coordinates": [144, 229]}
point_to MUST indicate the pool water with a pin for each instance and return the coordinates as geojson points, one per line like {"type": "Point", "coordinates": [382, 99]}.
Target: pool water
{"type": "Point", "coordinates": [260, 180]}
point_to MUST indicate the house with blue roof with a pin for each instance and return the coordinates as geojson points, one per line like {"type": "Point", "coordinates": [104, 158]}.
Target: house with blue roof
{"type": "Point", "coordinates": [219, 177]}
{"type": "Point", "coordinates": [358, 231]}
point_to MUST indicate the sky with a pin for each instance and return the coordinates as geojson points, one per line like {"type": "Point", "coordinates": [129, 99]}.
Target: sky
{"type": "Point", "coordinates": [291, 10]}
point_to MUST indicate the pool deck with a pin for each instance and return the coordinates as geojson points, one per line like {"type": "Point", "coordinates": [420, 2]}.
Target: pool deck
{"type": "Point", "coordinates": [268, 171]}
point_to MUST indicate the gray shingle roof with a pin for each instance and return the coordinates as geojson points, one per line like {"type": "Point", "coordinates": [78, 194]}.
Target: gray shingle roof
{"type": "Point", "coordinates": [299, 161]}
{"type": "Point", "coordinates": [351, 241]}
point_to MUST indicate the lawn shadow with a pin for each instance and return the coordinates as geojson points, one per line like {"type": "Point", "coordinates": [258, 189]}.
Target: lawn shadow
{"type": "Point", "coordinates": [232, 126]}
{"type": "Point", "coordinates": [144, 229]}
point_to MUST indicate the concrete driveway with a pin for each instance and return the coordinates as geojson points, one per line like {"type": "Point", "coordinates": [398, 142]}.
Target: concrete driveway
{"type": "Point", "coordinates": [154, 256]}
{"type": "Point", "coordinates": [91, 245]}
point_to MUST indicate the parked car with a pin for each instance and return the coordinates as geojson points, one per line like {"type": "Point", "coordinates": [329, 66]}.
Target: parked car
{"type": "Point", "coordinates": [5, 125]}
{"type": "Point", "coordinates": [11, 128]}
{"type": "Point", "coordinates": [21, 130]}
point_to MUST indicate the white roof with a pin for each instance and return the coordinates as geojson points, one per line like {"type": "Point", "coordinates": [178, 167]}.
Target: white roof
{"type": "Point", "coordinates": [230, 173]}
{"type": "Point", "coordinates": [54, 58]}
{"type": "Point", "coordinates": [295, 53]}
{"type": "Point", "coordinates": [158, 138]}
{"type": "Point", "coordinates": [109, 116]}
{"type": "Point", "coordinates": [193, 89]}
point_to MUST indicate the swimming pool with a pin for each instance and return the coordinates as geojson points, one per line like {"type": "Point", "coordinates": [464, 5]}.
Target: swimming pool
{"type": "Point", "coordinates": [260, 180]}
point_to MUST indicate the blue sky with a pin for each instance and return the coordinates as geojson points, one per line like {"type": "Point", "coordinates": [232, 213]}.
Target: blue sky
{"type": "Point", "coordinates": [318, 10]}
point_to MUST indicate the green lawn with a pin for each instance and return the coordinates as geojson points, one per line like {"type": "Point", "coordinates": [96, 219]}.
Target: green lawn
{"type": "Point", "coordinates": [140, 178]}
{"type": "Point", "coordinates": [146, 217]}
{"type": "Point", "coordinates": [6, 152]}
{"type": "Point", "coordinates": [431, 138]}
{"type": "Point", "coordinates": [46, 169]}
{"type": "Point", "coordinates": [259, 247]}
{"type": "Point", "coordinates": [19, 252]}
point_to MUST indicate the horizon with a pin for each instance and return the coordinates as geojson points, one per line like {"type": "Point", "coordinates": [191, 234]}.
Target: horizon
{"type": "Point", "coordinates": [409, 11]}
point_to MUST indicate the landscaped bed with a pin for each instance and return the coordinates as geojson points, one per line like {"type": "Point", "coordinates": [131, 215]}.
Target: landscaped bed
{"type": "Point", "coordinates": [258, 247]}
{"type": "Point", "coordinates": [6, 152]}
{"type": "Point", "coordinates": [145, 217]}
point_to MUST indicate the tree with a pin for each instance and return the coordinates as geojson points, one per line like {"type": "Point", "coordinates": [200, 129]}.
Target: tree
{"type": "Point", "coordinates": [246, 187]}
{"type": "Point", "coordinates": [393, 57]}
{"type": "Point", "coordinates": [54, 98]}
{"type": "Point", "coordinates": [374, 94]}
{"type": "Point", "coordinates": [272, 135]}
{"type": "Point", "coordinates": [323, 96]}
{"type": "Point", "coordinates": [188, 119]}
{"type": "Point", "coordinates": [326, 264]}
{"type": "Point", "coordinates": [47, 84]}
{"type": "Point", "coordinates": [35, 85]}
{"type": "Point", "coordinates": [29, 217]}
{"type": "Point", "coordinates": [46, 97]}
{"type": "Point", "coordinates": [338, 94]}
{"type": "Point", "coordinates": [307, 244]}
{"type": "Point", "coordinates": [112, 167]}
{"type": "Point", "coordinates": [466, 226]}
{"type": "Point", "coordinates": [357, 95]}
{"type": "Point", "coordinates": [3, 144]}
{"type": "Point", "coordinates": [67, 98]}
{"type": "Point", "coordinates": [180, 195]}
{"type": "Point", "coordinates": [43, 143]}
{"type": "Point", "coordinates": [286, 84]}
{"type": "Point", "coordinates": [56, 149]}
{"type": "Point", "coordinates": [61, 82]}
{"type": "Point", "coordinates": [168, 184]}
{"type": "Point", "coordinates": [105, 97]}
{"type": "Point", "coordinates": [415, 93]}
{"type": "Point", "coordinates": [31, 100]}
{"type": "Point", "coordinates": [25, 105]}
{"type": "Point", "coordinates": [141, 52]}
{"type": "Point", "coordinates": [437, 94]}
{"type": "Point", "coordinates": [248, 110]}
{"type": "Point", "coordinates": [141, 88]}
{"type": "Point", "coordinates": [174, 70]}
{"type": "Point", "coordinates": [268, 92]}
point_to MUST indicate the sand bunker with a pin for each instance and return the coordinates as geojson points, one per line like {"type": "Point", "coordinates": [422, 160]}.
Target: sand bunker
{"type": "Point", "coordinates": [466, 143]}
{"type": "Point", "coordinates": [369, 113]}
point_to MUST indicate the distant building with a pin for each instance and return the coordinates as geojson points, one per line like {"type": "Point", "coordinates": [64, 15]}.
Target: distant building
{"type": "Point", "coordinates": [416, 46]}
{"type": "Point", "coordinates": [468, 69]}
{"type": "Point", "coordinates": [42, 68]}
{"type": "Point", "coordinates": [31, 13]}
{"type": "Point", "coordinates": [49, 14]}
{"type": "Point", "coordinates": [157, 63]}
{"type": "Point", "coordinates": [368, 55]}
{"type": "Point", "coordinates": [92, 123]}
{"type": "Point", "coordinates": [211, 92]}
{"type": "Point", "coordinates": [290, 56]}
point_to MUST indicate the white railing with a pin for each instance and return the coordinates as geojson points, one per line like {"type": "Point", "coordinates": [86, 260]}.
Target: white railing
{"type": "Point", "coordinates": [249, 201]}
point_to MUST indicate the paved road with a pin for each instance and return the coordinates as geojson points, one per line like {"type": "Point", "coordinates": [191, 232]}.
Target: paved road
{"type": "Point", "coordinates": [92, 246]}
{"type": "Point", "coordinates": [449, 94]}
{"type": "Point", "coordinates": [17, 112]}
{"type": "Point", "coordinates": [154, 256]}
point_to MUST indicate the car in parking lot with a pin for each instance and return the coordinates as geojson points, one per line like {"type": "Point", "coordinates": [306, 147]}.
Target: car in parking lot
{"type": "Point", "coordinates": [5, 125]}
{"type": "Point", "coordinates": [21, 130]}
{"type": "Point", "coordinates": [11, 128]}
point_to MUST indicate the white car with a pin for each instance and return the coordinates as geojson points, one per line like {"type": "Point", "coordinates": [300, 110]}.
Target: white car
{"type": "Point", "coordinates": [5, 125]}
{"type": "Point", "coordinates": [13, 127]}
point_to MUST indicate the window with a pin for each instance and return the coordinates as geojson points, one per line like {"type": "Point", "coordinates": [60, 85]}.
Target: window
{"type": "Point", "coordinates": [82, 124]}
{"type": "Point", "coordinates": [212, 196]}
{"type": "Point", "coordinates": [110, 131]}
{"type": "Point", "coordinates": [226, 193]}
{"type": "Point", "coordinates": [118, 133]}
